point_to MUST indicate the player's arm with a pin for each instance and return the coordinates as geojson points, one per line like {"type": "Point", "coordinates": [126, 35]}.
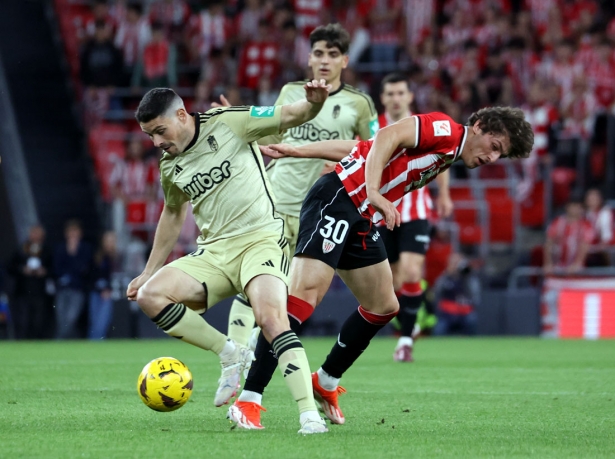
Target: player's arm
{"type": "Point", "coordinates": [399, 135]}
{"type": "Point", "coordinates": [302, 111]}
{"type": "Point", "coordinates": [548, 255]}
{"type": "Point", "coordinates": [167, 233]}
{"type": "Point", "coordinates": [444, 203]}
{"type": "Point", "coordinates": [331, 150]}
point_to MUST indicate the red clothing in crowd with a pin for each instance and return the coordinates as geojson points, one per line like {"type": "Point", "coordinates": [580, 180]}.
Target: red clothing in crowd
{"type": "Point", "coordinates": [257, 59]}
{"type": "Point", "coordinates": [567, 237]}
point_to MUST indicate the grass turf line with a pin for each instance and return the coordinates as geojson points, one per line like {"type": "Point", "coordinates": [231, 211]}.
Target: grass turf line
{"type": "Point", "coordinates": [461, 398]}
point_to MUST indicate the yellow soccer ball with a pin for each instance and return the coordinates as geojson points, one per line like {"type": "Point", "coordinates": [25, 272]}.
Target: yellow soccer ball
{"type": "Point", "coordinates": [165, 384]}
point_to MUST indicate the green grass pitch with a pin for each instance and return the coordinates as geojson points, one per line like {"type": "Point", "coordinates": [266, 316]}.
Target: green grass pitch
{"type": "Point", "coordinates": [461, 398]}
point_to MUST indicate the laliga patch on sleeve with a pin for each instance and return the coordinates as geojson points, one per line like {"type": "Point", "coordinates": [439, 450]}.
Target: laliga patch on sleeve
{"type": "Point", "coordinates": [441, 128]}
{"type": "Point", "coordinates": [262, 112]}
{"type": "Point", "coordinates": [373, 127]}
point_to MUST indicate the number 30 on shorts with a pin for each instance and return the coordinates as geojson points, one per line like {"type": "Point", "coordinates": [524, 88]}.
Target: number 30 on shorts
{"type": "Point", "coordinates": [334, 230]}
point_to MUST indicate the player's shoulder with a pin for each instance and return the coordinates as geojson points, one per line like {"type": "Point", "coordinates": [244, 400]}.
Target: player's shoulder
{"type": "Point", "coordinates": [216, 111]}
{"type": "Point", "coordinates": [361, 97]}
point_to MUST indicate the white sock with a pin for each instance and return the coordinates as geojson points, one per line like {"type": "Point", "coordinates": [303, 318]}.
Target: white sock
{"type": "Point", "coordinates": [228, 351]}
{"type": "Point", "coordinates": [404, 341]}
{"type": "Point", "coordinates": [326, 381]}
{"type": "Point", "coordinates": [309, 415]}
{"type": "Point", "coordinates": [250, 396]}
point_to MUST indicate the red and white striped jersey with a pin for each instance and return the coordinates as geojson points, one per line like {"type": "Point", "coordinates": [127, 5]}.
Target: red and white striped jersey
{"type": "Point", "coordinates": [439, 142]}
{"type": "Point", "coordinates": [602, 223]}
{"type": "Point", "coordinates": [416, 205]}
{"type": "Point", "coordinates": [567, 237]}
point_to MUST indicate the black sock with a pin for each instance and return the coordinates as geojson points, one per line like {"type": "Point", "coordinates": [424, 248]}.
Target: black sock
{"type": "Point", "coordinates": [354, 337]}
{"type": "Point", "coordinates": [265, 362]}
{"type": "Point", "coordinates": [408, 310]}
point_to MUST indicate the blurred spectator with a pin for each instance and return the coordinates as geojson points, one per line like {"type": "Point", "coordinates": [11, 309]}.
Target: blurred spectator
{"type": "Point", "coordinates": [495, 86]}
{"type": "Point", "coordinates": [202, 98]}
{"type": "Point", "coordinates": [133, 185]}
{"type": "Point", "coordinates": [385, 28]}
{"type": "Point", "coordinates": [107, 261]}
{"type": "Point", "coordinates": [209, 30]}
{"type": "Point", "coordinates": [72, 261]}
{"type": "Point", "coordinates": [30, 268]}
{"type": "Point", "coordinates": [132, 36]}
{"type": "Point", "coordinates": [259, 58]}
{"type": "Point", "coordinates": [173, 15]}
{"type": "Point", "coordinates": [100, 13]}
{"type": "Point", "coordinates": [561, 68]}
{"type": "Point", "coordinates": [267, 95]}
{"type": "Point", "coordinates": [456, 293]}
{"type": "Point", "coordinates": [101, 71]}
{"type": "Point", "coordinates": [248, 19]}
{"type": "Point", "coordinates": [568, 240]}
{"type": "Point", "coordinates": [101, 61]}
{"type": "Point", "coordinates": [293, 49]}
{"type": "Point", "coordinates": [600, 216]}
{"type": "Point", "coordinates": [578, 108]}
{"type": "Point", "coordinates": [601, 76]}
{"type": "Point", "coordinates": [220, 70]}
{"type": "Point", "coordinates": [158, 64]}
{"type": "Point", "coordinates": [307, 14]}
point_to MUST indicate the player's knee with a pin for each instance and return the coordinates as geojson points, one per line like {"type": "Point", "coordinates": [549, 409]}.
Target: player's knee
{"type": "Point", "coordinates": [149, 300]}
{"type": "Point", "coordinates": [412, 274]}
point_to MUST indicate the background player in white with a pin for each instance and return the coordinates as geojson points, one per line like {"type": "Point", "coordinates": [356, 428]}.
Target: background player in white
{"type": "Point", "coordinates": [337, 230]}
{"type": "Point", "coordinates": [211, 160]}
{"type": "Point", "coordinates": [406, 245]}
{"type": "Point", "coordinates": [347, 113]}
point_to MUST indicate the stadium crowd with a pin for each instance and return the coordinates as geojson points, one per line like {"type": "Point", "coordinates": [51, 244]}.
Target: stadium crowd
{"type": "Point", "coordinates": [553, 58]}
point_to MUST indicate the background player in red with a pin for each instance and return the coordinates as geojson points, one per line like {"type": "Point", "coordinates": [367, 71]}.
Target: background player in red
{"type": "Point", "coordinates": [338, 217]}
{"type": "Point", "coordinates": [406, 245]}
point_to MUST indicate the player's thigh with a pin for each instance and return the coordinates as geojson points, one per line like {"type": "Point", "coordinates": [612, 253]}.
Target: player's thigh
{"type": "Point", "coordinates": [291, 232]}
{"type": "Point", "coordinates": [206, 269]}
{"type": "Point", "coordinates": [310, 279]}
{"type": "Point", "coordinates": [170, 285]}
{"type": "Point", "coordinates": [373, 286]}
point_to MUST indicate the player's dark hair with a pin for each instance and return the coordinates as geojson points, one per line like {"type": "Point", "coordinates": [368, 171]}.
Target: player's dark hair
{"type": "Point", "coordinates": [335, 36]}
{"type": "Point", "coordinates": [155, 103]}
{"type": "Point", "coordinates": [507, 121]}
{"type": "Point", "coordinates": [395, 77]}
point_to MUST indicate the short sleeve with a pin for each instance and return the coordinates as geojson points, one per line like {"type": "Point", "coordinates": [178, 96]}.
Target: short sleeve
{"type": "Point", "coordinates": [436, 132]}
{"type": "Point", "coordinates": [173, 196]}
{"type": "Point", "coordinates": [367, 122]}
{"type": "Point", "coordinates": [253, 122]}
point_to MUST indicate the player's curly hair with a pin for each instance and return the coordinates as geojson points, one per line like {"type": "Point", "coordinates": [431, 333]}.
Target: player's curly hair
{"type": "Point", "coordinates": [335, 36]}
{"type": "Point", "coordinates": [506, 121]}
{"type": "Point", "coordinates": [157, 102]}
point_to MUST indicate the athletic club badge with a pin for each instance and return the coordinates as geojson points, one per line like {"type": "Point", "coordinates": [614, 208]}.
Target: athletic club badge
{"type": "Point", "coordinates": [327, 246]}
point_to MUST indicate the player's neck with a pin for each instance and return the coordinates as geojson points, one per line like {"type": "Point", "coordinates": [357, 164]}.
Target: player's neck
{"type": "Point", "coordinates": [190, 132]}
{"type": "Point", "coordinates": [335, 85]}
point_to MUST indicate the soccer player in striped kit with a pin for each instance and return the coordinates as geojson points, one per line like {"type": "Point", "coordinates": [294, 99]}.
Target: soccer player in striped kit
{"type": "Point", "coordinates": [338, 223]}
{"type": "Point", "coordinates": [406, 245]}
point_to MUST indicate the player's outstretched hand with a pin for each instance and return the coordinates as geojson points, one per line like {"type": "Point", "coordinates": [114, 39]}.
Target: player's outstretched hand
{"type": "Point", "coordinates": [223, 102]}
{"type": "Point", "coordinates": [279, 150]}
{"type": "Point", "coordinates": [317, 91]}
{"type": "Point", "coordinates": [391, 215]}
{"type": "Point", "coordinates": [135, 285]}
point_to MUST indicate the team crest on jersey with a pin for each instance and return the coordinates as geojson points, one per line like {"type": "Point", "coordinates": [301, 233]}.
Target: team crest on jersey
{"type": "Point", "coordinates": [336, 112]}
{"type": "Point", "coordinates": [213, 143]}
{"type": "Point", "coordinates": [327, 246]}
{"type": "Point", "coordinates": [441, 128]}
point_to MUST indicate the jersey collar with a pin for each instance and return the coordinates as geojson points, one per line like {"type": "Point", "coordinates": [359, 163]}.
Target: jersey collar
{"type": "Point", "coordinates": [197, 124]}
{"type": "Point", "coordinates": [464, 137]}
{"type": "Point", "coordinates": [337, 90]}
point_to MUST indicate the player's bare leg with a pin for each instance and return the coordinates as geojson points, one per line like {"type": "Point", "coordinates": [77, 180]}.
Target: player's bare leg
{"type": "Point", "coordinates": [171, 298]}
{"type": "Point", "coordinates": [407, 275]}
{"type": "Point", "coordinates": [268, 296]}
{"type": "Point", "coordinates": [373, 287]}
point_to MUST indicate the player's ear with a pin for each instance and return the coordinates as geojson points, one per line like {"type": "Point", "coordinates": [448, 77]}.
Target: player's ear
{"type": "Point", "coordinates": [182, 114]}
{"type": "Point", "coordinates": [476, 127]}
{"type": "Point", "coordinates": [345, 61]}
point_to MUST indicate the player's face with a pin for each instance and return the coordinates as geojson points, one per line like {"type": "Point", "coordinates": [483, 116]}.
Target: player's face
{"type": "Point", "coordinates": [484, 148]}
{"type": "Point", "coordinates": [396, 98]}
{"type": "Point", "coordinates": [168, 132]}
{"type": "Point", "coordinates": [327, 63]}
